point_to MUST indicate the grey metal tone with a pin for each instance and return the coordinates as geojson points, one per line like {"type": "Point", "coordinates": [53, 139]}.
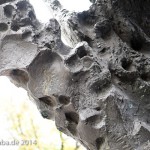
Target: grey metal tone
{"type": "Point", "coordinates": [98, 89]}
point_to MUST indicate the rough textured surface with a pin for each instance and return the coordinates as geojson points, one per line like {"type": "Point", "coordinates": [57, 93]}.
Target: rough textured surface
{"type": "Point", "coordinates": [98, 89]}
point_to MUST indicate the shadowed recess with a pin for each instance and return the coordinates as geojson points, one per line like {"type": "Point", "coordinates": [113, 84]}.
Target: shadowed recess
{"type": "Point", "coordinates": [127, 65]}
{"type": "Point", "coordinates": [48, 100]}
{"type": "Point", "coordinates": [23, 75]}
{"type": "Point", "coordinates": [81, 51]}
{"type": "Point", "coordinates": [3, 26]}
{"type": "Point", "coordinates": [72, 117]}
{"type": "Point", "coordinates": [136, 43]}
{"type": "Point", "coordinates": [8, 10]}
{"type": "Point", "coordinates": [99, 142]}
{"type": "Point", "coordinates": [145, 77]}
{"type": "Point", "coordinates": [64, 99]}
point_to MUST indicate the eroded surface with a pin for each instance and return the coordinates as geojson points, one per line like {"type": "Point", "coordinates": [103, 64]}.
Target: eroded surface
{"type": "Point", "coordinates": [97, 90]}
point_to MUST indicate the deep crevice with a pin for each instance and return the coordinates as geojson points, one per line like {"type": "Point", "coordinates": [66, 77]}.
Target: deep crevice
{"type": "Point", "coordinates": [145, 77]}
{"type": "Point", "coordinates": [22, 5]}
{"type": "Point", "coordinates": [127, 65]}
{"type": "Point", "coordinates": [136, 43]}
{"type": "Point", "coordinates": [15, 26]}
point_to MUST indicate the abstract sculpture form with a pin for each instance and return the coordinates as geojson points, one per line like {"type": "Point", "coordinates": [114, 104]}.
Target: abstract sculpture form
{"type": "Point", "coordinates": [97, 90]}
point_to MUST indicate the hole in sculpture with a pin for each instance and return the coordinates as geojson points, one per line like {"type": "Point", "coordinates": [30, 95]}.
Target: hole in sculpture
{"type": "Point", "coordinates": [64, 99]}
{"type": "Point", "coordinates": [98, 108]}
{"type": "Point", "coordinates": [136, 43]}
{"type": "Point", "coordinates": [83, 16]}
{"type": "Point", "coordinates": [102, 29]}
{"type": "Point", "coordinates": [8, 10]}
{"type": "Point", "coordinates": [103, 50]}
{"type": "Point", "coordinates": [48, 45]}
{"type": "Point", "coordinates": [22, 5]}
{"type": "Point", "coordinates": [87, 39]}
{"type": "Point", "coordinates": [15, 26]}
{"type": "Point", "coordinates": [145, 77]}
{"type": "Point", "coordinates": [81, 52]}
{"type": "Point", "coordinates": [96, 68]}
{"type": "Point", "coordinates": [72, 117]}
{"type": "Point", "coordinates": [72, 60]}
{"type": "Point", "coordinates": [3, 26]}
{"type": "Point", "coordinates": [48, 100]}
{"type": "Point", "coordinates": [20, 76]}
{"type": "Point", "coordinates": [127, 65]}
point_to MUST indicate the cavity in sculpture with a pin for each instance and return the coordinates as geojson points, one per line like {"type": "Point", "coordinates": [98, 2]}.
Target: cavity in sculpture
{"type": "Point", "coordinates": [98, 89]}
